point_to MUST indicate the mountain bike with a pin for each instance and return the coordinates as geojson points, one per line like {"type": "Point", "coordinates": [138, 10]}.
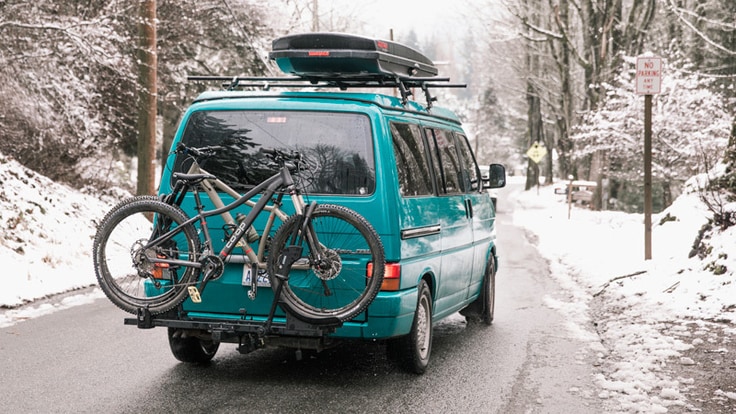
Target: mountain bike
{"type": "Point", "coordinates": [325, 262]}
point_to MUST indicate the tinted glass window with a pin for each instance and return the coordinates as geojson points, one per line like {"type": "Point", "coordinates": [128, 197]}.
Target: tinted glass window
{"type": "Point", "coordinates": [434, 156]}
{"type": "Point", "coordinates": [470, 171]}
{"type": "Point", "coordinates": [337, 148]}
{"type": "Point", "coordinates": [448, 160]}
{"type": "Point", "coordinates": [411, 160]}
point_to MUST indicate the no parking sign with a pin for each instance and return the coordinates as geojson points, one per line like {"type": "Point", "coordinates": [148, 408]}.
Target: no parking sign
{"type": "Point", "coordinates": [648, 75]}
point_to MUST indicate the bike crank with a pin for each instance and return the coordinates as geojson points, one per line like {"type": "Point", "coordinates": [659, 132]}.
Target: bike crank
{"type": "Point", "coordinates": [212, 268]}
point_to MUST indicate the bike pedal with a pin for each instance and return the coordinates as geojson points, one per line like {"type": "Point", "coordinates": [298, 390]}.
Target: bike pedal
{"type": "Point", "coordinates": [194, 294]}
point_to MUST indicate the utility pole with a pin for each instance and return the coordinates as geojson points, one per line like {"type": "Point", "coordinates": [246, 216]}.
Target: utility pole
{"type": "Point", "coordinates": [147, 94]}
{"type": "Point", "coordinates": [315, 15]}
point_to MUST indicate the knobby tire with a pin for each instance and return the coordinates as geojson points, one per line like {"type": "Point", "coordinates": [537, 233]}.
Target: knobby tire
{"type": "Point", "coordinates": [120, 266]}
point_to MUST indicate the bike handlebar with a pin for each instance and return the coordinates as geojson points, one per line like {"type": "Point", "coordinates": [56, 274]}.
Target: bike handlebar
{"type": "Point", "coordinates": [201, 152]}
{"type": "Point", "coordinates": [282, 156]}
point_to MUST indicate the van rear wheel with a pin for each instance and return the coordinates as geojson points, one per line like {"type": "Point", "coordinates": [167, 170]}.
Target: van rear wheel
{"type": "Point", "coordinates": [412, 351]}
{"type": "Point", "coordinates": [191, 349]}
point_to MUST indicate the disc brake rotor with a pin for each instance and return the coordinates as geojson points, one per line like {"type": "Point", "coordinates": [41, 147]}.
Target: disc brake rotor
{"type": "Point", "coordinates": [329, 266]}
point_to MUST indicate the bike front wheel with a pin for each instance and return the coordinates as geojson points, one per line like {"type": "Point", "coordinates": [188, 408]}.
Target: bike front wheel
{"type": "Point", "coordinates": [135, 273]}
{"type": "Point", "coordinates": [335, 279]}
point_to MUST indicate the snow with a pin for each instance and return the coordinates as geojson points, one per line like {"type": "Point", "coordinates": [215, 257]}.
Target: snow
{"type": "Point", "coordinates": [642, 317]}
{"type": "Point", "coordinates": [46, 241]}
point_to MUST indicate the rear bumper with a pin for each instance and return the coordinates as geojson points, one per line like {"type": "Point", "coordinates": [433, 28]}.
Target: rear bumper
{"type": "Point", "coordinates": [391, 314]}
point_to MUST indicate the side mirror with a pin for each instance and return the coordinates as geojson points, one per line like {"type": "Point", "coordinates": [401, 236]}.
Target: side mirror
{"type": "Point", "coordinates": [496, 176]}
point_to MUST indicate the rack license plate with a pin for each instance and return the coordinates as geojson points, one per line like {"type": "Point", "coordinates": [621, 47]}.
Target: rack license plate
{"type": "Point", "coordinates": [262, 279]}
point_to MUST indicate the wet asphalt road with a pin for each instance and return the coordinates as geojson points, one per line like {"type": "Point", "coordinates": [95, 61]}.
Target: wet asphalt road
{"type": "Point", "coordinates": [84, 360]}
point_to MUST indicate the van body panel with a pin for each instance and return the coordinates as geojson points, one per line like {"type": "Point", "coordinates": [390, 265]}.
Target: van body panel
{"type": "Point", "coordinates": [390, 314]}
{"type": "Point", "coordinates": [484, 239]}
{"type": "Point", "coordinates": [456, 252]}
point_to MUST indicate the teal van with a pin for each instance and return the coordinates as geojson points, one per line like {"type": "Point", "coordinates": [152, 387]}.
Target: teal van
{"type": "Point", "coordinates": [407, 167]}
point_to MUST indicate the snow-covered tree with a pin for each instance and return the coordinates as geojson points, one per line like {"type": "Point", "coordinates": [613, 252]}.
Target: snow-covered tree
{"type": "Point", "coordinates": [68, 69]}
{"type": "Point", "coordinates": [206, 37]}
{"type": "Point", "coordinates": [691, 127]}
{"type": "Point", "coordinates": [66, 82]}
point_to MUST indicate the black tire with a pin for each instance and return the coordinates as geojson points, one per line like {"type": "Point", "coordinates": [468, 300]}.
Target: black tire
{"type": "Point", "coordinates": [120, 264]}
{"type": "Point", "coordinates": [339, 287]}
{"type": "Point", "coordinates": [191, 349]}
{"type": "Point", "coordinates": [412, 351]}
{"type": "Point", "coordinates": [482, 309]}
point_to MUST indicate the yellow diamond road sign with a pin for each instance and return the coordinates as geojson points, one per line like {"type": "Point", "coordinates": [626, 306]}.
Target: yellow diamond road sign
{"type": "Point", "coordinates": [536, 152]}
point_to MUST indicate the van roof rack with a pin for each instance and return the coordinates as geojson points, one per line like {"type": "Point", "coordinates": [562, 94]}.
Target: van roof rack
{"type": "Point", "coordinates": [343, 61]}
{"type": "Point", "coordinates": [404, 84]}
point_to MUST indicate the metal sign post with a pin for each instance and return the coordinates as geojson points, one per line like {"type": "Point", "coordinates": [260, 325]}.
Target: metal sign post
{"type": "Point", "coordinates": [648, 83]}
{"type": "Point", "coordinates": [647, 177]}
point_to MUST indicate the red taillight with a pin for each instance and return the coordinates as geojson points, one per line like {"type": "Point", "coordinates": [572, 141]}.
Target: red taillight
{"type": "Point", "coordinates": [391, 276]}
{"type": "Point", "coordinates": [324, 53]}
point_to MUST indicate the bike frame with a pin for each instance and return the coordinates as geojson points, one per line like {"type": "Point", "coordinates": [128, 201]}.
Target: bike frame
{"type": "Point", "coordinates": [269, 187]}
{"type": "Point", "coordinates": [211, 187]}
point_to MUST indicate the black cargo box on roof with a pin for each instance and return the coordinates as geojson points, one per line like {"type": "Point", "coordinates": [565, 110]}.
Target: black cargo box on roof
{"type": "Point", "coordinates": [316, 55]}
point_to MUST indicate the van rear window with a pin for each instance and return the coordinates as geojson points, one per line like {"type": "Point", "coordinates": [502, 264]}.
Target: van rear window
{"type": "Point", "coordinates": [337, 148]}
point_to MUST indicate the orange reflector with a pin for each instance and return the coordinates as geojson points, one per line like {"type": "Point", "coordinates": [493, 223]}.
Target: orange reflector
{"type": "Point", "coordinates": [391, 276]}
{"type": "Point", "coordinates": [158, 269]}
{"type": "Point", "coordinates": [157, 273]}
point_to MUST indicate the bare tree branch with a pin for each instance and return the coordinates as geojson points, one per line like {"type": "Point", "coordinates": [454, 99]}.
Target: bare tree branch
{"type": "Point", "coordinates": [680, 12]}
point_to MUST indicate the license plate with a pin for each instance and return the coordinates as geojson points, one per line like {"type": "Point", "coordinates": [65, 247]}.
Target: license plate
{"type": "Point", "coordinates": [262, 279]}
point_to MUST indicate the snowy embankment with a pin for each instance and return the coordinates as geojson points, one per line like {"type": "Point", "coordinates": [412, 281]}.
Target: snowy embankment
{"type": "Point", "coordinates": [640, 316]}
{"type": "Point", "coordinates": [46, 243]}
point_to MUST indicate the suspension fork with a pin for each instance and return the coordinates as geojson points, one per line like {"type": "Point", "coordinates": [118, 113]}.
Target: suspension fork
{"type": "Point", "coordinates": [293, 251]}
{"type": "Point", "coordinates": [305, 230]}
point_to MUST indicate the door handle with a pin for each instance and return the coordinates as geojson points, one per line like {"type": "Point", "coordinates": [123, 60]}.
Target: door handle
{"type": "Point", "coordinates": [468, 208]}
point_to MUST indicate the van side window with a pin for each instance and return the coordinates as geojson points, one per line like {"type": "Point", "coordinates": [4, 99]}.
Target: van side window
{"type": "Point", "coordinates": [411, 160]}
{"type": "Point", "coordinates": [450, 167]}
{"type": "Point", "coordinates": [470, 170]}
{"type": "Point", "coordinates": [434, 160]}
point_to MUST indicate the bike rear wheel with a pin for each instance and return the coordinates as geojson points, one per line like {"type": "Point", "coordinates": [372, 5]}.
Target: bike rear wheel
{"type": "Point", "coordinates": [122, 258]}
{"type": "Point", "coordinates": [336, 280]}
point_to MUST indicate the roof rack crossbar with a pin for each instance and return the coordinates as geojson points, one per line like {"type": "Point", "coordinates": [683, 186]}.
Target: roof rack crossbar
{"type": "Point", "coordinates": [404, 84]}
{"type": "Point", "coordinates": [243, 78]}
